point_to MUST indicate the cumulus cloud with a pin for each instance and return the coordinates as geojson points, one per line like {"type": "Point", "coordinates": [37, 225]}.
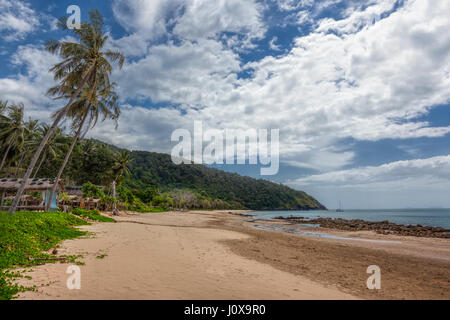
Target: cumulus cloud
{"type": "Point", "coordinates": [205, 19]}
{"type": "Point", "coordinates": [432, 169]}
{"type": "Point", "coordinates": [175, 73]}
{"type": "Point", "coordinates": [144, 17]}
{"type": "Point", "coordinates": [367, 76]}
{"type": "Point", "coordinates": [291, 5]}
{"type": "Point", "coordinates": [16, 19]}
{"type": "Point", "coordinates": [188, 20]}
{"type": "Point", "coordinates": [30, 87]}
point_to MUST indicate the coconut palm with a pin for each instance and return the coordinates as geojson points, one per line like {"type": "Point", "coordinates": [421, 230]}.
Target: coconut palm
{"type": "Point", "coordinates": [121, 162]}
{"type": "Point", "coordinates": [84, 64]}
{"type": "Point", "coordinates": [52, 147]}
{"type": "Point", "coordinates": [3, 106]}
{"type": "Point", "coordinates": [23, 150]}
{"type": "Point", "coordinates": [4, 122]}
{"type": "Point", "coordinates": [12, 130]}
{"type": "Point", "coordinates": [90, 106]}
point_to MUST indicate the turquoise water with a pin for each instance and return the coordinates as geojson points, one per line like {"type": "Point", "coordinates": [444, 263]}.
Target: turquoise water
{"type": "Point", "coordinates": [425, 217]}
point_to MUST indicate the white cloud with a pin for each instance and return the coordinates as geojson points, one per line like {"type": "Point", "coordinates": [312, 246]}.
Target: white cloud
{"type": "Point", "coordinates": [188, 20]}
{"type": "Point", "coordinates": [291, 5]}
{"type": "Point", "coordinates": [432, 169]}
{"type": "Point", "coordinates": [16, 19]}
{"type": "Point", "coordinates": [403, 184]}
{"type": "Point", "coordinates": [175, 73]}
{"type": "Point", "coordinates": [206, 19]}
{"type": "Point", "coordinates": [273, 45]}
{"type": "Point", "coordinates": [30, 87]}
{"type": "Point", "coordinates": [134, 125]}
{"type": "Point", "coordinates": [369, 83]}
{"type": "Point", "coordinates": [144, 16]}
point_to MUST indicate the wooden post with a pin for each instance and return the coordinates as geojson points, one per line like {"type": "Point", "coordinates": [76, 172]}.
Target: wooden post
{"type": "Point", "coordinates": [114, 196]}
{"type": "Point", "coordinates": [45, 200]}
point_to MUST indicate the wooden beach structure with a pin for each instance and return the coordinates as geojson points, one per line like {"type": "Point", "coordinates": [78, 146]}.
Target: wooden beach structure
{"type": "Point", "coordinates": [75, 199]}
{"type": "Point", "coordinates": [9, 187]}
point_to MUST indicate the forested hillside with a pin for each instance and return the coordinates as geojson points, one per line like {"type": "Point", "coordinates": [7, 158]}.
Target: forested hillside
{"type": "Point", "coordinates": [157, 170]}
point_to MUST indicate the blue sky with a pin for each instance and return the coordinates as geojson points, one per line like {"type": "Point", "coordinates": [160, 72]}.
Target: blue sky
{"type": "Point", "coordinates": [360, 90]}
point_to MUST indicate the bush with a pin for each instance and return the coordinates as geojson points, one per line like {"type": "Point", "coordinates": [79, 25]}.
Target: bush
{"type": "Point", "coordinates": [93, 215]}
{"type": "Point", "coordinates": [92, 191]}
{"type": "Point", "coordinates": [125, 195]}
{"type": "Point", "coordinates": [63, 197]}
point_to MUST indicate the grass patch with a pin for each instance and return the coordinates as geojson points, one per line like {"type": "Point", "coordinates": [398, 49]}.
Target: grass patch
{"type": "Point", "coordinates": [93, 215]}
{"type": "Point", "coordinates": [146, 209]}
{"type": "Point", "coordinates": [24, 239]}
{"type": "Point", "coordinates": [102, 256]}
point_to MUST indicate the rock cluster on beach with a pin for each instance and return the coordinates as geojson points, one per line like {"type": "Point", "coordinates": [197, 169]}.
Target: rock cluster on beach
{"type": "Point", "coordinates": [383, 227]}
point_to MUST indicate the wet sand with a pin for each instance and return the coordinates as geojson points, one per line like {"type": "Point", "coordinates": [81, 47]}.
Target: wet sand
{"type": "Point", "coordinates": [411, 267]}
{"type": "Point", "coordinates": [217, 255]}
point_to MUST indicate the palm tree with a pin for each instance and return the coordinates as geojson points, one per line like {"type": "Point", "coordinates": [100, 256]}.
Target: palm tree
{"type": "Point", "coordinates": [23, 150]}
{"type": "Point", "coordinates": [121, 162]}
{"type": "Point", "coordinates": [91, 105]}
{"type": "Point", "coordinates": [3, 106]}
{"type": "Point", "coordinates": [83, 64]}
{"type": "Point", "coordinates": [52, 147]}
{"type": "Point", "coordinates": [13, 130]}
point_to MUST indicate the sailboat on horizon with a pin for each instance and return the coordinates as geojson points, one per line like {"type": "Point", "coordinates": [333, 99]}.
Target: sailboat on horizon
{"type": "Point", "coordinates": [340, 209]}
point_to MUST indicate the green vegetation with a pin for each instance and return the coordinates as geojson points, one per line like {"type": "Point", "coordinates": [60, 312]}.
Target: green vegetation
{"type": "Point", "coordinates": [24, 239]}
{"type": "Point", "coordinates": [93, 215]}
{"type": "Point", "coordinates": [92, 191]}
{"type": "Point", "coordinates": [154, 177]}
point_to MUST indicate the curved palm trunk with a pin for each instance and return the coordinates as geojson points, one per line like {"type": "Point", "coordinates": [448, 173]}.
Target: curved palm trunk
{"type": "Point", "coordinates": [43, 144]}
{"type": "Point", "coordinates": [66, 159]}
{"type": "Point", "coordinates": [5, 156]}
{"type": "Point", "coordinates": [8, 170]}
{"type": "Point", "coordinates": [19, 165]}
{"type": "Point", "coordinates": [39, 166]}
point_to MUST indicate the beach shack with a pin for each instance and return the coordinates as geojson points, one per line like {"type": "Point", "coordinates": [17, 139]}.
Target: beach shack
{"type": "Point", "coordinates": [75, 199]}
{"type": "Point", "coordinates": [36, 194]}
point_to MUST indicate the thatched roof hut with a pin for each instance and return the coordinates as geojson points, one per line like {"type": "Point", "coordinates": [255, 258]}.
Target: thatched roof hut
{"type": "Point", "coordinates": [8, 184]}
{"type": "Point", "coordinates": [74, 191]}
{"type": "Point", "coordinates": [8, 188]}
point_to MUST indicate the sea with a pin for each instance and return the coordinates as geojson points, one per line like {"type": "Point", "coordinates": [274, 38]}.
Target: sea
{"type": "Point", "coordinates": [424, 217]}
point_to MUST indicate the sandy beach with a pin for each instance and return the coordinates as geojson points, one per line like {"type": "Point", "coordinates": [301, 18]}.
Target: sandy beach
{"type": "Point", "coordinates": [218, 255]}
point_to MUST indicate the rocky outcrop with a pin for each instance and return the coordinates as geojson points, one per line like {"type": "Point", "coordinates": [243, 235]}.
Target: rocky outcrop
{"type": "Point", "coordinates": [383, 227]}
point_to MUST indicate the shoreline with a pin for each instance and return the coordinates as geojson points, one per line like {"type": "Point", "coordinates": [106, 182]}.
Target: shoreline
{"type": "Point", "coordinates": [220, 255]}
{"type": "Point", "coordinates": [382, 227]}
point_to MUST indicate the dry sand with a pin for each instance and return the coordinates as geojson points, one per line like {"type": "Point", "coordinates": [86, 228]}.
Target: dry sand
{"type": "Point", "coordinates": [217, 255]}
{"type": "Point", "coordinates": [170, 256]}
